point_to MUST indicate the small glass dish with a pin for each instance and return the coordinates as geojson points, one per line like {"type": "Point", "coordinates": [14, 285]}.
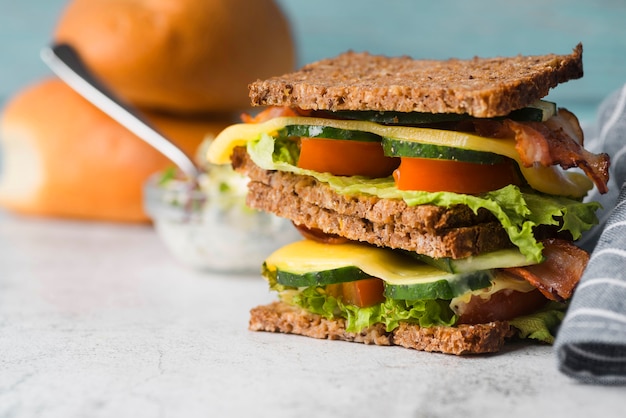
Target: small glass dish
{"type": "Point", "coordinates": [209, 227]}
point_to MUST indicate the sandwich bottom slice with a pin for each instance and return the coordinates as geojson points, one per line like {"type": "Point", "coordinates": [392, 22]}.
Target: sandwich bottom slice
{"type": "Point", "coordinates": [360, 293]}
{"type": "Point", "coordinates": [463, 339]}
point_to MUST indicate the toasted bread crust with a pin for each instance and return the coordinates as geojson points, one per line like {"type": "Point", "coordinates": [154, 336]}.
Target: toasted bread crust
{"type": "Point", "coordinates": [459, 340]}
{"type": "Point", "coordinates": [454, 232]}
{"type": "Point", "coordinates": [481, 87]}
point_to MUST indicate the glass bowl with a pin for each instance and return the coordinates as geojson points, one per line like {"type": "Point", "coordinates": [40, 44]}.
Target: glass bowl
{"type": "Point", "coordinates": [210, 227]}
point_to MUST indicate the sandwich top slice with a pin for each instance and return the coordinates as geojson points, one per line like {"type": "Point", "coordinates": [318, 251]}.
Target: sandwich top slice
{"type": "Point", "coordinates": [435, 198]}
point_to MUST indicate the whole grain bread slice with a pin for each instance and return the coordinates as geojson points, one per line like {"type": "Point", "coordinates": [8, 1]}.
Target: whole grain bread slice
{"type": "Point", "coordinates": [481, 87]}
{"type": "Point", "coordinates": [455, 232]}
{"type": "Point", "coordinates": [460, 340]}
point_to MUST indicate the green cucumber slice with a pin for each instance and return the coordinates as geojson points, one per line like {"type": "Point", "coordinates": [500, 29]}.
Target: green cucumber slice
{"type": "Point", "coordinates": [312, 131]}
{"type": "Point", "coordinates": [320, 278]}
{"type": "Point", "coordinates": [540, 111]}
{"type": "Point", "coordinates": [400, 118]}
{"type": "Point", "coordinates": [511, 257]}
{"type": "Point", "coordinates": [447, 288]}
{"type": "Point", "coordinates": [402, 148]}
{"type": "Point", "coordinates": [432, 284]}
{"type": "Point", "coordinates": [394, 147]}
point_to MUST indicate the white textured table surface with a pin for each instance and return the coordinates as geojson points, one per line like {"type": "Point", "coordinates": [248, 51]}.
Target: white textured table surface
{"type": "Point", "coordinates": [97, 320]}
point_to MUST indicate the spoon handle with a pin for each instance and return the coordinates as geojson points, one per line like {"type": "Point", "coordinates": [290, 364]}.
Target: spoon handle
{"type": "Point", "coordinates": [65, 62]}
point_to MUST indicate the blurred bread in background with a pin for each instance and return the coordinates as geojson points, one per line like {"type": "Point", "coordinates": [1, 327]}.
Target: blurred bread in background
{"type": "Point", "coordinates": [185, 64]}
{"type": "Point", "coordinates": [64, 157]}
{"type": "Point", "coordinates": [180, 55]}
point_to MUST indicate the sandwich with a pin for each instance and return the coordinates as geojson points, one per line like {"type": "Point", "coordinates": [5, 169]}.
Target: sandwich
{"type": "Point", "coordinates": [439, 200]}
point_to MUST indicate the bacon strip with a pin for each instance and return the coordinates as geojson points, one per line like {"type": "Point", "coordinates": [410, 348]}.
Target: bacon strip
{"type": "Point", "coordinates": [556, 141]}
{"type": "Point", "coordinates": [559, 274]}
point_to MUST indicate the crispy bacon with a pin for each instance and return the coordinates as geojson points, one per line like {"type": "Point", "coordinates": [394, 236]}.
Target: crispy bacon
{"type": "Point", "coordinates": [556, 141]}
{"type": "Point", "coordinates": [558, 275]}
{"type": "Point", "coordinates": [531, 143]}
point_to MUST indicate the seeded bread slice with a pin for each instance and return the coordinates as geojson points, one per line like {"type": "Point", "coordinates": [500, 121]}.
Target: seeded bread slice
{"type": "Point", "coordinates": [455, 232]}
{"type": "Point", "coordinates": [463, 339]}
{"type": "Point", "coordinates": [481, 87]}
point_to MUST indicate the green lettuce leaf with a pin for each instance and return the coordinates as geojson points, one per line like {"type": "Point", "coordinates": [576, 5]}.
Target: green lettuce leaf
{"type": "Point", "coordinates": [541, 325]}
{"type": "Point", "coordinates": [518, 212]}
{"type": "Point", "coordinates": [391, 312]}
{"type": "Point", "coordinates": [577, 217]}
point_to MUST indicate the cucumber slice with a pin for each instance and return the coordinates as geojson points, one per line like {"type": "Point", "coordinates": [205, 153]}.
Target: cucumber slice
{"type": "Point", "coordinates": [320, 278]}
{"type": "Point", "coordinates": [394, 147]}
{"type": "Point", "coordinates": [540, 111]}
{"type": "Point", "coordinates": [402, 148]}
{"type": "Point", "coordinates": [511, 257]}
{"type": "Point", "coordinates": [433, 284]}
{"type": "Point", "coordinates": [400, 118]}
{"type": "Point", "coordinates": [451, 286]}
{"type": "Point", "coordinates": [312, 131]}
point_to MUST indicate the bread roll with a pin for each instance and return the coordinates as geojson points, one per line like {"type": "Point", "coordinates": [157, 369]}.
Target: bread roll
{"type": "Point", "coordinates": [180, 55]}
{"type": "Point", "coordinates": [64, 157]}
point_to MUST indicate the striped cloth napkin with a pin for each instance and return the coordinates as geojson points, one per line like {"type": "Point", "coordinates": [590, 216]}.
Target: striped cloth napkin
{"type": "Point", "coordinates": [591, 343]}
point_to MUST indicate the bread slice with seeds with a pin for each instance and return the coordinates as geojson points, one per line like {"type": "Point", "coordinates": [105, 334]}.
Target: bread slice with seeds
{"type": "Point", "coordinates": [480, 87]}
{"type": "Point", "coordinates": [460, 340]}
{"type": "Point", "coordinates": [435, 231]}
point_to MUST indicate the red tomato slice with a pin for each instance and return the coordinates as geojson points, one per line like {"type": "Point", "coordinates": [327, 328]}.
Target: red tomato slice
{"type": "Point", "coordinates": [271, 113]}
{"type": "Point", "coordinates": [432, 175]}
{"type": "Point", "coordinates": [345, 157]}
{"type": "Point", "coordinates": [362, 293]}
{"type": "Point", "coordinates": [501, 306]}
{"type": "Point", "coordinates": [316, 234]}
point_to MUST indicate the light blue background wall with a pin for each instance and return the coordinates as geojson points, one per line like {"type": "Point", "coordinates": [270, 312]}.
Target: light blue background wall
{"type": "Point", "coordinates": [447, 28]}
{"type": "Point", "coordinates": [422, 29]}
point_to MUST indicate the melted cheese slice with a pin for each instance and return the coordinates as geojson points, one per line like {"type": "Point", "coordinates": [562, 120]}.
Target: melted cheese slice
{"type": "Point", "coordinates": [306, 256]}
{"type": "Point", "coordinates": [551, 180]}
{"type": "Point", "coordinates": [500, 282]}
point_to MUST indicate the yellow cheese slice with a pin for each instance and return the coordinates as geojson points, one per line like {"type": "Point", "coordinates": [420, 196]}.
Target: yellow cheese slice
{"type": "Point", "coordinates": [306, 256]}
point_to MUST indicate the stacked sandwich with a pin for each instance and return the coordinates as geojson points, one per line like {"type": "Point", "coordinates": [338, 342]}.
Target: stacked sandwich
{"type": "Point", "coordinates": [434, 198]}
{"type": "Point", "coordinates": [183, 63]}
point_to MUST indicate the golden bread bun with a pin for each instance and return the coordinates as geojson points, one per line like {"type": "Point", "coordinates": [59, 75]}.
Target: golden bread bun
{"type": "Point", "coordinates": [63, 157]}
{"type": "Point", "coordinates": [192, 56]}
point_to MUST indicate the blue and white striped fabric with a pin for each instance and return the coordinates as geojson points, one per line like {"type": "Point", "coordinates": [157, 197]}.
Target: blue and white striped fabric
{"type": "Point", "coordinates": [591, 343]}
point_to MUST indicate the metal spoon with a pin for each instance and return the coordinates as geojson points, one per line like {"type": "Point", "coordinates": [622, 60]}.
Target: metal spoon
{"type": "Point", "coordinates": [65, 62]}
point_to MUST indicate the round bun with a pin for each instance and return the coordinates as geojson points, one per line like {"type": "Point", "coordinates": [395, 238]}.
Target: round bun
{"type": "Point", "coordinates": [183, 56]}
{"type": "Point", "coordinates": [64, 157]}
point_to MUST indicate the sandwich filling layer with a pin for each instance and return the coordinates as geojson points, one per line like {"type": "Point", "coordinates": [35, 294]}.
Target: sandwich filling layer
{"type": "Point", "coordinates": [515, 212]}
